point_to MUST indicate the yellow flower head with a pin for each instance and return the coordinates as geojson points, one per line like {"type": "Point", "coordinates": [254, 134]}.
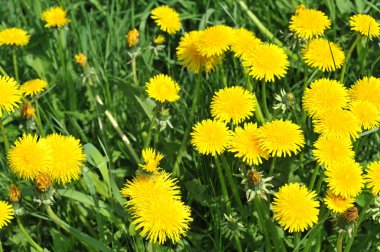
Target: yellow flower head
{"type": "Point", "coordinates": [67, 156]}
{"type": "Point", "coordinates": [163, 88]}
{"type": "Point", "coordinates": [55, 17]}
{"type": "Point", "coordinates": [81, 59]}
{"type": "Point", "coordinates": [266, 61]}
{"type": "Point", "coordinates": [245, 142]}
{"type": "Point", "coordinates": [159, 39]}
{"type": "Point", "coordinates": [308, 23]}
{"type": "Point", "coordinates": [33, 87]}
{"type": "Point", "coordinates": [6, 213]}
{"type": "Point", "coordinates": [233, 103]}
{"type": "Point", "coordinates": [372, 178]}
{"type": "Point", "coordinates": [295, 208]}
{"type": "Point", "coordinates": [281, 138]}
{"type": "Point", "coordinates": [132, 37]}
{"type": "Point", "coordinates": [10, 94]}
{"type": "Point", "coordinates": [336, 203]}
{"type": "Point", "coordinates": [29, 157]}
{"type": "Point", "coordinates": [323, 54]}
{"type": "Point", "coordinates": [151, 160]}
{"type": "Point", "coordinates": [243, 41]}
{"type": "Point", "coordinates": [367, 114]}
{"type": "Point", "coordinates": [215, 40]}
{"type": "Point", "coordinates": [330, 149]}
{"type": "Point", "coordinates": [345, 178]}
{"type": "Point", "coordinates": [27, 111]}
{"type": "Point", "coordinates": [190, 56]}
{"type": "Point", "coordinates": [210, 137]}
{"type": "Point", "coordinates": [365, 25]}
{"type": "Point", "coordinates": [167, 19]}
{"type": "Point", "coordinates": [14, 36]}
{"type": "Point", "coordinates": [366, 89]}
{"type": "Point", "coordinates": [338, 122]}
{"type": "Point", "coordinates": [324, 94]}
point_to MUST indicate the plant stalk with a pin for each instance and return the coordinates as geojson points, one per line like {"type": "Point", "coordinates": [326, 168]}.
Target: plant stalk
{"type": "Point", "coordinates": [30, 239]}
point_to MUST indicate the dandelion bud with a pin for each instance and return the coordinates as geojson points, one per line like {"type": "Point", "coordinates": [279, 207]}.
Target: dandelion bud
{"type": "Point", "coordinates": [159, 40]}
{"type": "Point", "coordinates": [132, 37]}
{"type": "Point", "coordinates": [81, 59]}
{"type": "Point", "coordinates": [43, 182]}
{"type": "Point", "coordinates": [254, 177]}
{"type": "Point", "coordinates": [28, 111]}
{"type": "Point", "coordinates": [14, 193]}
{"type": "Point", "coordinates": [351, 215]}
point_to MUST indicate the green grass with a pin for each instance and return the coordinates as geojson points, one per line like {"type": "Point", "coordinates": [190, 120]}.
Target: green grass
{"type": "Point", "coordinates": [90, 211]}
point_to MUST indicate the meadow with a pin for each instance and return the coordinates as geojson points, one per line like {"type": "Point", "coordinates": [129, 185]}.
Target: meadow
{"type": "Point", "coordinates": [200, 125]}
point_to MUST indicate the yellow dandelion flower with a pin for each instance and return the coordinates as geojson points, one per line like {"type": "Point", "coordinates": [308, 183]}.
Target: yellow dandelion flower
{"type": "Point", "coordinates": [14, 36]}
{"type": "Point", "coordinates": [308, 23]}
{"type": "Point", "coordinates": [6, 213]}
{"type": "Point", "coordinates": [29, 157]}
{"type": "Point", "coordinates": [81, 59]}
{"type": "Point", "coordinates": [338, 122]}
{"type": "Point", "coordinates": [336, 203]}
{"type": "Point", "coordinates": [27, 110]}
{"type": "Point", "coordinates": [215, 40]}
{"type": "Point", "coordinates": [365, 25]}
{"type": "Point", "coordinates": [281, 138]}
{"type": "Point", "coordinates": [163, 88]}
{"type": "Point", "coordinates": [190, 57]}
{"type": "Point", "coordinates": [324, 94]}
{"type": "Point", "coordinates": [266, 61]}
{"type": "Point", "coordinates": [295, 208]}
{"type": "Point", "coordinates": [210, 137]}
{"type": "Point", "coordinates": [245, 142]}
{"type": "Point", "coordinates": [366, 89]}
{"type": "Point", "coordinates": [132, 37]}
{"type": "Point", "coordinates": [33, 87]}
{"type": "Point", "coordinates": [67, 156]}
{"type": "Point", "coordinates": [55, 17]}
{"type": "Point", "coordinates": [159, 39]}
{"type": "Point", "coordinates": [167, 19]}
{"type": "Point", "coordinates": [243, 41]}
{"type": "Point", "coordinates": [372, 178]}
{"type": "Point", "coordinates": [367, 114]}
{"type": "Point", "coordinates": [233, 103]}
{"type": "Point", "coordinates": [323, 54]}
{"type": "Point", "coordinates": [330, 149]}
{"type": "Point", "coordinates": [345, 178]}
{"type": "Point", "coordinates": [10, 94]}
{"type": "Point", "coordinates": [151, 159]}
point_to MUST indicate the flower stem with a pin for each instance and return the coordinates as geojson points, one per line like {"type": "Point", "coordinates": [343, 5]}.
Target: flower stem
{"type": "Point", "coordinates": [297, 238]}
{"type": "Point", "coordinates": [38, 120]}
{"type": "Point", "coordinates": [223, 184]}
{"type": "Point", "coordinates": [134, 72]}
{"type": "Point", "coordinates": [15, 64]}
{"type": "Point", "coordinates": [232, 183]}
{"type": "Point", "coordinates": [272, 165]}
{"type": "Point", "coordinates": [30, 239]}
{"type": "Point", "coordinates": [348, 58]}
{"type": "Point", "coordinates": [261, 219]}
{"type": "Point", "coordinates": [264, 100]}
{"type": "Point", "coordinates": [315, 173]}
{"type": "Point", "coordinates": [258, 113]}
{"type": "Point", "coordinates": [339, 242]}
{"type": "Point", "coordinates": [4, 133]}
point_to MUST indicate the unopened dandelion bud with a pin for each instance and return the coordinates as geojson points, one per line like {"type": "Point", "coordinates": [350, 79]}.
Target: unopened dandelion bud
{"type": "Point", "coordinates": [43, 182]}
{"type": "Point", "coordinates": [28, 111]}
{"type": "Point", "coordinates": [254, 177]}
{"type": "Point", "coordinates": [81, 59]}
{"type": "Point", "coordinates": [132, 37]}
{"type": "Point", "coordinates": [351, 215]}
{"type": "Point", "coordinates": [14, 193]}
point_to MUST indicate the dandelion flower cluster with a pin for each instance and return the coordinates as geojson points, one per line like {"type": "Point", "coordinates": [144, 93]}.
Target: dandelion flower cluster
{"type": "Point", "coordinates": [367, 114]}
{"type": "Point", "coordinates": [6, 213]}
{"type": "Point", "coordinates": [167, 19]}
{"type": "Point", "coordinates": [33, 87]}
{"type": "Point", "coordinates": [10, 94]}
{"type": "Point", "coordinates": [215, 40]}
{"type": "Point", "coordinates": [336, 203]}
{"type": "Point", "coordinates": [372, 177]}
{"type": "Point", "coordinates": [366, 89]}
{"type": "Point", "coordinates": [55, 17]}
{"type": "Point", "coordinates": [163, 88]}
{"type": "Point", "coordinates": [365, 25]}
{"type": "Point", "coordinates": [14, 36]}
{"type": "Point", "coordinates": [295, 208]}
{"type": "Point", "coordinates": [151, 160]}
{"type": "Point", "coordinates": [233, 103]}
{"type": "Point", "coordinates": [243, 41]}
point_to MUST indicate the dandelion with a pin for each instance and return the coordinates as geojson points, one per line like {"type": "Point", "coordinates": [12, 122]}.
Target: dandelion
{"type": "Point", "coordinates": [151, 159]}
{"type": "Point", "coordinates": [266, 61]}
{"type": "Point", "coordinates": [285, 100]}
{"type": "Point", "coordinates": [336, 203]}
{"type": "Point", "coordinates": [67, 156]}
{"type": "Point", "coordinates": [43, 182]}
{"type": "Point", "coordinates": [215, 40]}
{"type": "Point", "coordinates": [210, 137]}
{"type": "Point", "coordinates": [365, 25]}
{"type": "Point", "coordinates": [330, 149]}
{"type": "Point", "coordinates": [367, 114]}
{"type": "Point", "coordinates": [14, 193]}
{"type": "Point", "coordinates": [81, 59]}
{"type": "Point", "coordinates": [14, 36]}
{"type": "Point", "coordinates": [324, 94]}
{"type": "Point", "coordinates": [295, 208]}
{"type": "Point", "coordinates": [366, 89]}
{"type": "Point", "coordinates": [372, 177]}
{"type": "Point", "coordinates": [55, 17]}
{"type": "Point", "coordinates": [243, 41]}
{"type": "Point", "coordinates": [29, 157]}
{"type": "Point", "coordinates": [338, 122]}
{"type": "Point", "coordinates": [159, 40]}
{"type": "Point", "coordinates": [245, 142]}
{"type": "Point", "coordinates": [28, 111]}
{"type": "Point", "coordinates": [10, 94]}
{"type": "Point", "coordinates": [323, 54]}
{"type": "Point", "coordinates": [132, 37]}
{"type": "Point", "coordinates": [190, 56]}
{"type": "Point", "coordinates": [167, 19]}
{"type": "Point", "coordinates": [308, 23]}
{"type": "Point", "coordinates": [33, 87]}
{"type": "Point", "coordinates": [162, 88]}
{"type": "Point", "coordinates": [233, 103]}
{"type": "Point", "coordinates": [6, 213]}
{"type": "Point", "coordinates": [345, 178]}
{"type": "Point", "coordinates": [281, 138]}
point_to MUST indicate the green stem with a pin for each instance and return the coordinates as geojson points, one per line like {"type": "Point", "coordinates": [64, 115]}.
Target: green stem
{"type": "Point", "coordinates": [264, 100]}
{"type": "Point", "coordinates": [38, 120]}
{"type": "Point", "coordinates": [134, 72]}
{"type": "Point", "coordinates": [258, 113]}
{"type": "Point", "coordinates": [4, 133]}
{"type": "Point", "coordinates": [2, 71]}
{"type": "Point", "coordinates": [1, 246]}
{"type": "Point", "coordinates": [223, 185]}
{"type": "Point", "coordinates": [297, 238]}
{"type": "Point", "coordinates": [232, 183]}
{"type": "Point", "coordinates": [261, 219]}
{"type": "Point", "coordinates": [15, 64]}
{"type": "Point", "coordinates": [190, 122]}
{"type": "Point", "coordinates": [30, 239]}
{"type": "Point", "coordinates": [319, 184]}
{"type": "Point", "coordinates": [339, 242]}
{"type": "Point", "coordinates": [272, 165]}
{"type": "Point", "coordinates": [315, 173]}
{"type": "Point", "coordinates": [348, 58]}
